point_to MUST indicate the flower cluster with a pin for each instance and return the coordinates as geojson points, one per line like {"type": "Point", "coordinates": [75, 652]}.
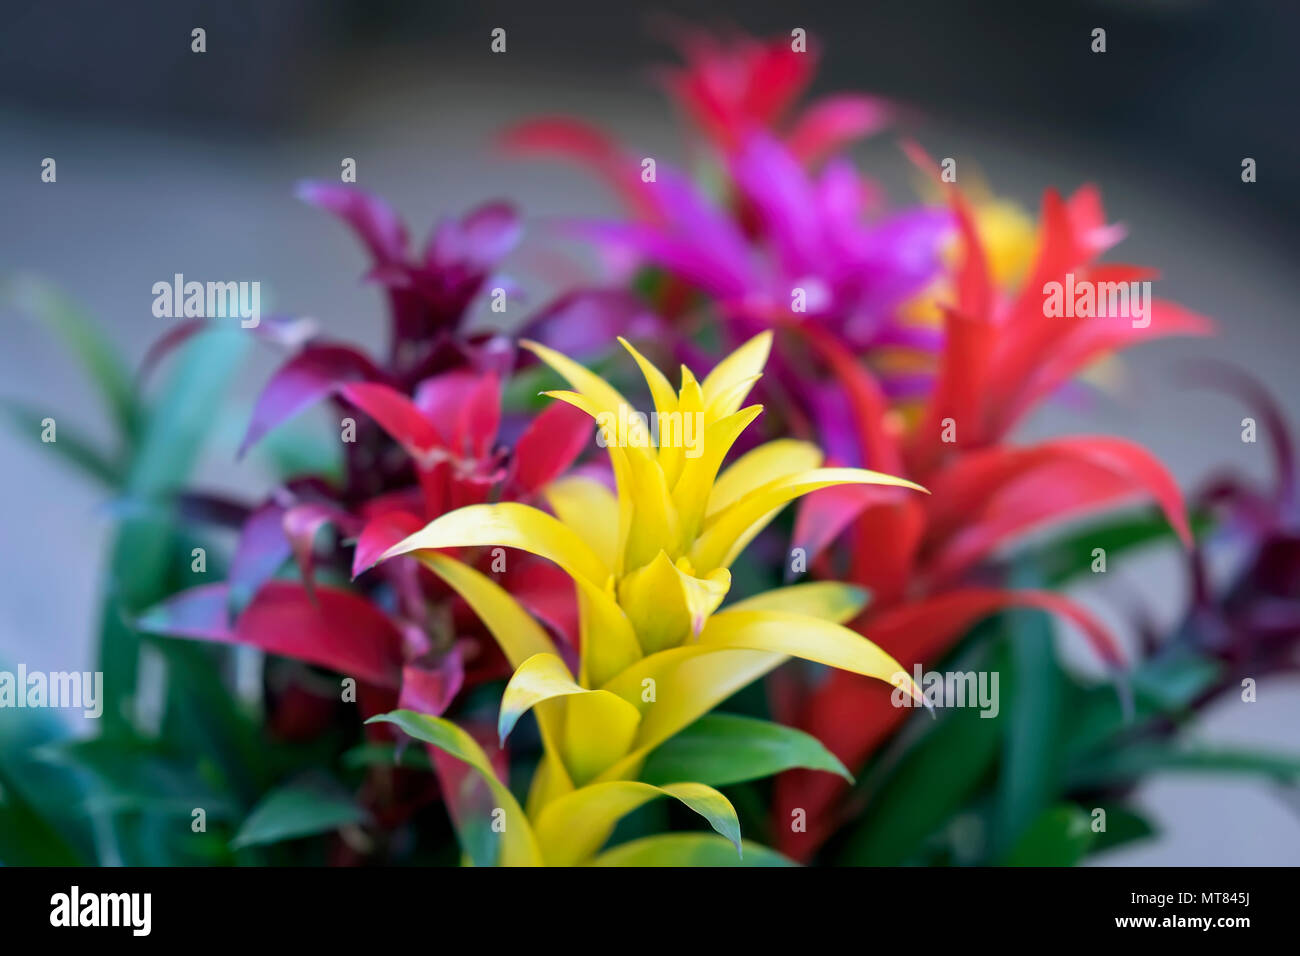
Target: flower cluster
{"type": "Point", "coordinates": [498, 589]}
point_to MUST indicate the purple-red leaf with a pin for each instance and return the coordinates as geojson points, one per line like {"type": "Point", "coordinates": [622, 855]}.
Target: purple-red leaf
{"type": "Point", "coordinates": [261, 549]}
{"type": "Point", "coordinates": [305, 379]}
{"type": "Point", "coordinates": [372, 219]}
{"type": "Point", "coordinates": [199, 613]}
{"type": "Point", "coordinates": [338, 630]}
{"type": "Point", "coordinates": [478, 241]}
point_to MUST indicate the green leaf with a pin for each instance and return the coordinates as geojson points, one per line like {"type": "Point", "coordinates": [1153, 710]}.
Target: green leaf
{"type": "Point", "coordinates": [936, 766]}
{"type": "Point", "coordinates": [1059, 836]}
{"type": "Point", "coordinates": [181, 417]}
{"type": "Point", "coordinates": [202, 714]}
{"type": "Point", "coordinates": [54, 310]}
{"type": "Point", "coordinates": [1166, 685]}
{"type": "Point", "coordinates": [688, 849]}
{"type": "Point", "coordinates": [28, 840]}
{"type": "Point", "coordinates": [76, 449]}
{"type": "Point", "coordinates": [471, 806]}
{"type": "Point", "coordinates": [721, 749]}
{"type": "Point", "coordinates": [39, 823]}
{"type": "Point", "coordinates": [1142, 759]}
{"type": "Point", "coordinates": [144, 545]}
{"type": "Point", "coordinates": [299, 809]}
{"type": "Point", "coordinates": [932, 782]}
{"type": "Point", "coordinates": [523, 390]}
{"type": "Point", "coordinates": [144, 552]}
{"type": "Point", "coordinates": [1031, 695]}
{"type": "Point", "coordinates": [1060, 559]}
{"type": "Point", "coordinates": [1173, 681]}
{"type": "Point", "coordinates": [129, 776]}
{"type": "Point", "coordinates": [1123, 826]}
{"type": "Point", "coordinates": [385, 755]}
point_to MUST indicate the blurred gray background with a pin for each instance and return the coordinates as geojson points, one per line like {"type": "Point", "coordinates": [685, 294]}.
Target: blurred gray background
{"type": "Point", "coordinates": [170, 161]}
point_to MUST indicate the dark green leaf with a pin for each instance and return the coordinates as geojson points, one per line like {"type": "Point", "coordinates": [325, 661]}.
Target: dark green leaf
{"type": "Point", "coordinates": [132, 776]}
{"type": "Point", "coordinates": [39, 825]}
{"type": "Point", "coordinates": [67, 443]}
{"type": "Point", "coordinates": [931, 783]}
{"type": "Point", "coordinates": [144, 546]}
{"type": "Point", "coordinates": [385, 755]}
{"type": "Point", "coordinates": [1144, 758]}
{"type": "Point", "coordinates": [299, 809]}
{"type": "Point", "coordinates": [1059, 836]}
{"type": "Point", "coordinates": [1163, 686]}
{"type": "Point", "coordinates": [722, 749]}
{"type": "Point", "coordinates": [54, 310]}
{"type": "Point", "coordinates": [1060, 559]}
{"type": "Point", "coordinates": [1123, 826]}
{"type": "Point", "coordinates": [1031, 691]}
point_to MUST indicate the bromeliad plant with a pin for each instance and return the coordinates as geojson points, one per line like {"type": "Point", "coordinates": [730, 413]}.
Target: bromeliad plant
{"type": "Point", "coordinates": [926, 562]}
{"type": "Point", "coordinates": [432, 437]}
{"type": "Point", "coordinates": [1249, 623]}
{"type": "Point", "coordinates": [649, 562]}
{"type": "Point", "coordinates": [429, 441]}
{"type": "Point", "coordinates": [477, 566]}
{"type": "Point", "coordinates": [1052, 779]}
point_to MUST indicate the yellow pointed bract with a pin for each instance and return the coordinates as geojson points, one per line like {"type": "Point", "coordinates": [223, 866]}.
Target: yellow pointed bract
{"type": "Point", "coordinates": [650, 567]}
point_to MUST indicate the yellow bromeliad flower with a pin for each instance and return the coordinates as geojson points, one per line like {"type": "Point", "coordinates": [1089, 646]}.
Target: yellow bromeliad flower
{"type": "Point", "coordinates": [650, 566]}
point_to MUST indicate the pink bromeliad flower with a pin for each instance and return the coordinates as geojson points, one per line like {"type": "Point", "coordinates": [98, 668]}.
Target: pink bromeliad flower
{"type": "Point", "coordinates": [398, 631]}
{"type": "Point", "coordinates": [796, 230]}
{"type": "Point", "coordinates": [729, 90]}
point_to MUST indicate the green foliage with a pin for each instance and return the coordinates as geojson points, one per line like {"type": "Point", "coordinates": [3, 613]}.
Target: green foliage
{"type": "Point", "coordinates": [129, 794]}
{"type": "Point", "coordinates": [49, 307]}
{"type": "Point", "coordinates": [722, 749]}
{"type": "Point", "coordinates": [1059, 836]}
{"type": "Point", "coordinates": [935, 769]}
{"type": "Point", "coordinates": [303, 808]}
{"type": "Point", "coordinates": [1031, 690]}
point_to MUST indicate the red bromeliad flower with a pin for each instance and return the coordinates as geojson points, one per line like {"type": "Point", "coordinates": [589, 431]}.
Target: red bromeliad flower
{"type": "Point", "coordinates": [406, 637]}
{"type": "Point", "coordinates": [401, 633]}
{"type": "Point", "coordinates": [428, 443]}
{"type": "Point", "coordinates": [1001, 356]}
